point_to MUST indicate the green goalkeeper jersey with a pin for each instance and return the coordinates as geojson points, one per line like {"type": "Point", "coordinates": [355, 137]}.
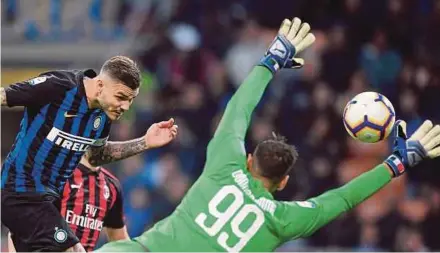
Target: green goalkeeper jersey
{"type": "Point", "coordinates": [228, 210]}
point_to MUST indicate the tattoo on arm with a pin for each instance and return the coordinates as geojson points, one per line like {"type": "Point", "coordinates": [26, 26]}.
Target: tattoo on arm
{"type": "Point", "coordinates": [3, 95]}
{"type": "Point", "coordinates": [115, 151]}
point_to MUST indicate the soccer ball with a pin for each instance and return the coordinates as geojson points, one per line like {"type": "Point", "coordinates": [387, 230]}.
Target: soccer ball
{"type": "Point", "coordinates": [369, 117]}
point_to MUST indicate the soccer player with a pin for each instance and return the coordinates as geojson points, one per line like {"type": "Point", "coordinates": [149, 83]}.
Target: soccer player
{"type": "Point", "coordinates": [92, 201]}
{"type": "Point", "coordinates": [67, 114]}
{"type": "Point", "coordinates": [231, 207]}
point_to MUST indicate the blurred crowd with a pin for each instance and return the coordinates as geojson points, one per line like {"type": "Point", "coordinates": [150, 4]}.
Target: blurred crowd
{"type": "Point", "coordinates": [200, 52]}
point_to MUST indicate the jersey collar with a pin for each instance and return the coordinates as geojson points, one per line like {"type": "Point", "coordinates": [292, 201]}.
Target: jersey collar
{"type": "Point", "coordinates": [90, 73]}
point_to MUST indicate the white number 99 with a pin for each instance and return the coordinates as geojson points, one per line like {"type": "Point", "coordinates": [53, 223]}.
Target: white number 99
{"type": "Point", "coordinates": [224, 217]}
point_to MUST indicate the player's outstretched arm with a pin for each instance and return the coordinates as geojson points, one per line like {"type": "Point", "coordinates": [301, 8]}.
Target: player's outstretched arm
{"type": "Point", "coordinates": [158, 135]}
{"type": "Point", "coordinates": [407, 153]}
{"type": "Point", "coordinates": [114, 151]}
{"type": "Point", "coordinates": [293, 37]}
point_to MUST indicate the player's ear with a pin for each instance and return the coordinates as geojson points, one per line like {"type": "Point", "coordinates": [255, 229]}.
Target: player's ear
{"type": "Point", "coordinates": [99, 86]}
{"type": "Point", "coordinates": [249, 162]}
{"type": "Point", "coordinates": [283, 183]}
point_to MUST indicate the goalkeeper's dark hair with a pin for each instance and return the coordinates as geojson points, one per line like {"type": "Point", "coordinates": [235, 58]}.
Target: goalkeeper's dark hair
{"type": "Point", "coordinates": [274, 158]}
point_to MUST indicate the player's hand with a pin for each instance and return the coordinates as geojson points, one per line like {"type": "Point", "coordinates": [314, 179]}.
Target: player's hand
{"type": "Point", "coordinates": [407, 153]}
{"type": "Point", "coordinates": [160, 134]}
{"type": "Point", "coordinates": [293, 37]}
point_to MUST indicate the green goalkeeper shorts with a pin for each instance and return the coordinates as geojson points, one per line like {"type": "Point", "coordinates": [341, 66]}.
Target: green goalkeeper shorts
{"type": "Point", "coordinates": [122, 246]}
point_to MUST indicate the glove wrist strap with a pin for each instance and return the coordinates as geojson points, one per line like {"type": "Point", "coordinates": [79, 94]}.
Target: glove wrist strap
{"type": "Point", "coordinates": [396, 165]}
{"type": "Point", "coordinates": [270, 63]}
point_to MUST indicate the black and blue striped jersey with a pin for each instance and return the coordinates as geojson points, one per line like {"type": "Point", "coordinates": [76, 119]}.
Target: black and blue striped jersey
{"type": "Point", "coordinates": [57, 128]}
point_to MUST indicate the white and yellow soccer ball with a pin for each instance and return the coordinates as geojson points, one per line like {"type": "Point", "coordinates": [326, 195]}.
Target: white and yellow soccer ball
{"type": "Point", "coordinates": [369, 117]}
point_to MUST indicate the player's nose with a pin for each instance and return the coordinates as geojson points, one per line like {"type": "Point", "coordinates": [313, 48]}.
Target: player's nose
{"type": "Point", "coordinates": [125, 106]}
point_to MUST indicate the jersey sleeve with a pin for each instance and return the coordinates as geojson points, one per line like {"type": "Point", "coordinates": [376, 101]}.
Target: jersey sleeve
{"type": "Point", "coordinates": [40, 90]}
{"type": "Point", "coordinates": [115, 216]}
{"type": "Point", "coordinates": [303, 218]}
{"type": "Point", "coordinates": [226, 148]}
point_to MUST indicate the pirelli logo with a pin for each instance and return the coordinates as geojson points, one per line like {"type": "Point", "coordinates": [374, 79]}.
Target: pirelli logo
{"type": "Point", "coordinates": [73, 142]}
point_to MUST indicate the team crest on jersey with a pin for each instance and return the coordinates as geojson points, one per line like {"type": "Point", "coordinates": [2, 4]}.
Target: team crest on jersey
{"type": "Point", "coordinates": [106, 192]}
{"type": "Point", "coordinates": [97, 122]}
{"type": "Point", "coordinates": [60, 235]}
{"type": "Point", "coordinates": [37, 80]}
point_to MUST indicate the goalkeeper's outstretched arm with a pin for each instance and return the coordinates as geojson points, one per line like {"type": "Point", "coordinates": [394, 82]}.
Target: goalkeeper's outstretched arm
{"type": "Point", "coordinates": [227, 145]}
{"type": "Point", "coordinates": [335, 202]}
{"type": "Point", "coordinates": [307, 217]}
{"type": "Point", "coordinates": [236, 118]}
{"type": "Point", "coordinates": [226, 148]}
{"type": "Point", "coordinates": [293, 37]}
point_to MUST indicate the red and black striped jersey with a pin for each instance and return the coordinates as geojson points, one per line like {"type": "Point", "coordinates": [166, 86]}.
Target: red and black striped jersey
{"type": "Point", "coordinates": [92, 200]}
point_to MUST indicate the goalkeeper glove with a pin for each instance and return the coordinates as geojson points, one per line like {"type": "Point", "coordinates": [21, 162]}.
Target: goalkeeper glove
{"type": "Point", "coordinates": [407, 153]}
{"type": "Point", "coordinates": [293, 37]}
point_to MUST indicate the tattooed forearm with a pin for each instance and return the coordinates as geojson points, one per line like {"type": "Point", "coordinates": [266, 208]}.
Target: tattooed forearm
{"type": "Point", "coordinates": [3, 95]}
{"type": "Point", "coordinates": [115, 151]}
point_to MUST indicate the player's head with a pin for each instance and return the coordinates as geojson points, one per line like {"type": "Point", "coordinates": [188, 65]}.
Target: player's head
{"type": "Point", "coordinates": [117, 85]}
{"type": "Point", "coordinates": [272, 161]}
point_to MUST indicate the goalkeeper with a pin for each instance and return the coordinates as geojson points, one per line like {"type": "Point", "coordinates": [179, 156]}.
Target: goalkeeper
{"type": "Point", "coordinates": [231, 207]}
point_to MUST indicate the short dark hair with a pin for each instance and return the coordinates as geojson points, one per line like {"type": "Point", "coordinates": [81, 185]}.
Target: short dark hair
{"type": "Point", "coordinates": [124, 70]}
{"type": "Point", "coordinates": [274, 158]}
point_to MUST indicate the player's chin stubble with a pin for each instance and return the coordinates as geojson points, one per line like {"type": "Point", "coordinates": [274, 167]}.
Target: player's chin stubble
{"type": "Point", "coordinates": [118, 116]}
{"type": "Point", "coordinates": [114, 115]}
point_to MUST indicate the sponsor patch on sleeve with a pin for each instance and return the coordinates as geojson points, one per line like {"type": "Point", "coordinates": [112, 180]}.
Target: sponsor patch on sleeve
{"type": "Point", "coordinates": [37, 80]}
{"type": "Point", "coordinates": [306, 204]}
